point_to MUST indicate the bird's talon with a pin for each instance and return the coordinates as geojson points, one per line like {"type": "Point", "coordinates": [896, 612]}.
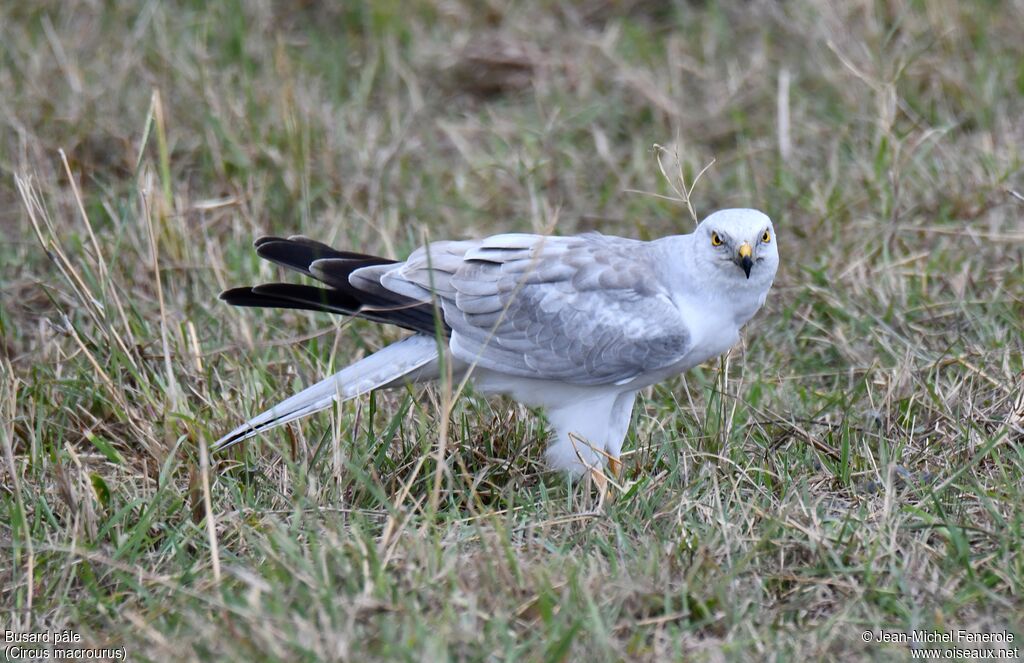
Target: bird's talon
{"type": "Point", "coordinates": [601, 481]}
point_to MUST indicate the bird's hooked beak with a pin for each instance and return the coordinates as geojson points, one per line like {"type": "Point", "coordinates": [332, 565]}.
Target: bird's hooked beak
{"type": "Point", "coordinates": [744, 258]}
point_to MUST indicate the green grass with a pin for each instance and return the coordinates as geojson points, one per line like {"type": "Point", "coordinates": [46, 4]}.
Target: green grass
{"type": "Point", "coordinates": [857, 463]}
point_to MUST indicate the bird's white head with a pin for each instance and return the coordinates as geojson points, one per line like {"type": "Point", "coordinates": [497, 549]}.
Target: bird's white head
{"type": "Point", "coordinates": [739, 244]}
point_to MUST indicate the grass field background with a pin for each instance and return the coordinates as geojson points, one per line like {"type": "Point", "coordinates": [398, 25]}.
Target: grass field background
{"type": "Point", "coordinates": [856, 464]}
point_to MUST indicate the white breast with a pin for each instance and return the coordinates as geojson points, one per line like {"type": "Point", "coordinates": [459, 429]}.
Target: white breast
{"type": "Point", "coordinates": [713, 329]}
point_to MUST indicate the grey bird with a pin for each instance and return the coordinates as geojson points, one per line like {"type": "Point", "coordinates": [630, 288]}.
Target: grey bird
{"type": "Point", "coordinates": [574, 325]}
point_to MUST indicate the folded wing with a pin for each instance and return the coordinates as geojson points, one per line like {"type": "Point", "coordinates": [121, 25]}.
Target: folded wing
{"type": "Point", "coordinates": [587, 310]}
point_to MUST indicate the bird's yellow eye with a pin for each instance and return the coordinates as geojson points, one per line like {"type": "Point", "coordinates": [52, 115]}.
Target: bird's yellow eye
{"type": "Point", "coordinates": [715, 240]}
{"type": "Point", "coordinates": [766, 237]}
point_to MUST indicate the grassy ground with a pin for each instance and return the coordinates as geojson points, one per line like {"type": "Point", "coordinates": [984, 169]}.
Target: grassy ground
{"type": "Point", "coordinates": [856, 464]}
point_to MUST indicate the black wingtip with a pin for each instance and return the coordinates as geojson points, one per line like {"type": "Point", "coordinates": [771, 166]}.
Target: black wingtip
{"type": "Point", "coordinates": [234, 293]}
{"type": "Point", "coordinates": [253, 298]}
{"type": "Point", "coordinates": [263, 239]}
{"type": "Point", "coordinates": [248, 297]}
{"type": "Point", "coordinates": [334, 268]}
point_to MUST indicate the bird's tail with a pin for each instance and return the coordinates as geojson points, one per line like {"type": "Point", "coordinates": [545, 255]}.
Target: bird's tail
{"type": "Point", "coordinates": [410, 359]}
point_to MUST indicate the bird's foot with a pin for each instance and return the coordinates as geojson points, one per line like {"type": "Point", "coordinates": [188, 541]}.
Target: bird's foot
{"type": "Point", "coordinates": [601, 480]}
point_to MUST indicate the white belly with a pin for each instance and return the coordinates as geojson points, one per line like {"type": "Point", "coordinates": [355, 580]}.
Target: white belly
{"type": "Point", "coordinates": [539, 393]}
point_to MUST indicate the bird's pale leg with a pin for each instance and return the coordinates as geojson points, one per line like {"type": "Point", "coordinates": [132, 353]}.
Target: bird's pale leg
{"type": "Point", "coordinates": [579, 442]}
{"type": "Point", "coordinates": [588, 444]}
{"type": "Point", "coordinates": [620, 416]}
{"type": "Point", "coordinates": [601, 481]}
{"type": "Point", "coordinates": [618, 424]}
{"type": "Point", "coordinates": [590, 457]}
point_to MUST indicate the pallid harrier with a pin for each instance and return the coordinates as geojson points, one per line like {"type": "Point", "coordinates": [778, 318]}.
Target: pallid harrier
{"type": "Point", "coordinates": [575, 325]}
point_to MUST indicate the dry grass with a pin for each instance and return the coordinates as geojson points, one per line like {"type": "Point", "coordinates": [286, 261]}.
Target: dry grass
{"type": "Point", "coordinates": [856, 464]}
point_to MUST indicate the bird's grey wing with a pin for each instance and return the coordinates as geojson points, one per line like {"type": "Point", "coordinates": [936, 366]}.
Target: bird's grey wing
{"type": "Point", "coordinates": [585, 310]}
